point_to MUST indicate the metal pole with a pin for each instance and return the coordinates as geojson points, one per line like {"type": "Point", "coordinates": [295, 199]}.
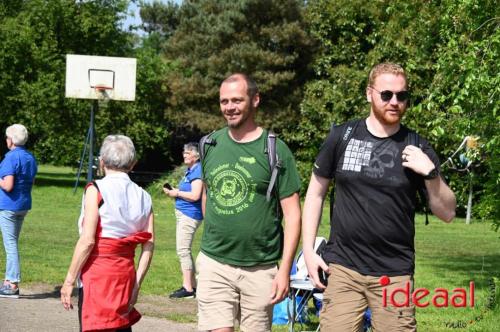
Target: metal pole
{"type": "Point", "coordinates": [90, 172]}
{"type": "Point", "coordinates": [469, 201]}
{"type": "Point", "coordinates": [82, 159]}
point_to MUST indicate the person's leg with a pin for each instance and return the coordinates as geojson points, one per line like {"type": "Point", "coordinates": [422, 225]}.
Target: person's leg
{"type": "Point", "coordinates": [127, 329]}
{"type": "Point", "coordinates": [344, 302]}
{"type": "Point", "coordinates": [10, 224]}
{"type": "Point", "coordinates": [185, 230]}
{"type": "Point", "coordinates": [385, 316]}
{"type": "Point", "coordinates": [218, 298]}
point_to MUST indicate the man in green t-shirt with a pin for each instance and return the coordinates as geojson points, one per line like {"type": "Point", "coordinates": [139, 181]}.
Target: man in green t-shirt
{"type": "Point", "coordinates": [243, 238]}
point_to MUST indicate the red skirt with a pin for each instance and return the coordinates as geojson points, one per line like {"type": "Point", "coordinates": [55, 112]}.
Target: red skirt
{"type": "Point", "coordinates": [108, 278]}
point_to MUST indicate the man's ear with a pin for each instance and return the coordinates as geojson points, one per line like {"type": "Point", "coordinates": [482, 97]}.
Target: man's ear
{"type": "Point", "coordinates": [256, 100]}
{"type": "Point", "coordinates": [368, 94]}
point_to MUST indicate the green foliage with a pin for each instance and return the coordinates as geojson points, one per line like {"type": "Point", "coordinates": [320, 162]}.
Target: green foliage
{"type": "Point", "coordinates": [36, 36]}
{"type": "Point", "coordinates": [465, 89]}
{"type": "Point", "coordinates": [160, 18]}
{"type": "Point", "coordinates": [263, 38]}
{"type": "Point", "coordinates": [450, 51]}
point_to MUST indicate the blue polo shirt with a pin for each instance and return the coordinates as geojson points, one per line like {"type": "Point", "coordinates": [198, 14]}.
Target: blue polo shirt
{"type": "Point", "coordinates": [190, 209]}
{"type": "Point", "coordinates": [22, 165]}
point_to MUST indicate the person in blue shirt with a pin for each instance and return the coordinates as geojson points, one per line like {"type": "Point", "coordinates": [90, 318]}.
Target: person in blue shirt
{"type": "Point", "coordinates": [189, 216]}
{"type": "Point", "coordinates": [17, 174]}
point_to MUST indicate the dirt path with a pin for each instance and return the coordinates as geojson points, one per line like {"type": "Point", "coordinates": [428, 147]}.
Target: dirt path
{"type": "Point", "coordinates": [39, 309]}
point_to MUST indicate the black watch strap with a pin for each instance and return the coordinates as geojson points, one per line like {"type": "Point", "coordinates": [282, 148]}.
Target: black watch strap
{"type": "Point", "coordinates": [432, 174]}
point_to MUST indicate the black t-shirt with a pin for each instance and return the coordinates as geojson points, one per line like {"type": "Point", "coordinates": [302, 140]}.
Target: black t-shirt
{"type": "Point", "coordinates": [372, 222]}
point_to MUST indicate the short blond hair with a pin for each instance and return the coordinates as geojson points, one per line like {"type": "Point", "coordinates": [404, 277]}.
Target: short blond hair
{"type": "Point", "coordinates": [385, 68]}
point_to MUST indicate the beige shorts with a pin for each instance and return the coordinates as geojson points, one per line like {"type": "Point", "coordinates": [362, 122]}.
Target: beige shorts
{"type": "Point", "coordinates": [349, 294]}
{"type": "Point", "coordinates": [228, 294]}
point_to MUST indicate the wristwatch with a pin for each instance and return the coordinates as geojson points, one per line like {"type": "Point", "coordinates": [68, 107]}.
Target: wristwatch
{"type": "Point", "coordinates": [432, 174]}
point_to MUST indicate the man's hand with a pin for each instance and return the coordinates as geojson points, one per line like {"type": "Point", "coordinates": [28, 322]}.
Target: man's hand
{"type": "Point", "coordinates": [314, 263]}
{"type": "Point", "coordinates": [66, 290]}
{"type": "Point", "coordinates": [416, 160]}
{"type": "Point", "coordinates": [280, 286]}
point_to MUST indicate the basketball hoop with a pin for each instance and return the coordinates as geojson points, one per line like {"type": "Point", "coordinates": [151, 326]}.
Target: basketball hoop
{"type": "Point", "coordinates": [103, 94]}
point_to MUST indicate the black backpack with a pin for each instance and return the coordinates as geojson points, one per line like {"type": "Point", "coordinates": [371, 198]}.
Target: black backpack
{"type": "Point", "coordinates": [344, 133]}
{"type": "Point", "coordinates": [207, 142]}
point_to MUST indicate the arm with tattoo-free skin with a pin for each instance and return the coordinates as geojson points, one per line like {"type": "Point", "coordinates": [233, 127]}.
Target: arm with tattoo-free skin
{"type": "Point", "coordinates": [441, 198]}
{"type": "Point", "coordinates": [291, 214]}
{"type": "Point", "coordinates": [83, 247]}
{"type": "Point", "coordinates": [144, 262]}
{"type": "Point", "coordinates": [190, 196]}
{"type": "Point", "coordinates": [313, 205]}
{"type": "Point", "coordinates": [7, 183]}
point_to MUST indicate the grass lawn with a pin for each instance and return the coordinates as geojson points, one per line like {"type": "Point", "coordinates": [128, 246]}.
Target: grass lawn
{"type": "Point", "coordinates": [448, 256]}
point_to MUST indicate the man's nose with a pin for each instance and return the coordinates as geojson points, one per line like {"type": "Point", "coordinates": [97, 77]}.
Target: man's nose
{"type": "Point", "coordinates": [394, 99]}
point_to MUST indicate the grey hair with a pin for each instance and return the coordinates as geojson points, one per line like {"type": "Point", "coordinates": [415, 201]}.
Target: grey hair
{"type": "Point", "coordinates": [118, 152]}
{"type": "Point", "coordinates": [192, 147]}
{"type": "Point", "coordinates": [17, 133]}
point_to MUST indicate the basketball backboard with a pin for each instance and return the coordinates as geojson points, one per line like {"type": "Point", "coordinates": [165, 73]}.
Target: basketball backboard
{"type": "Point", "coordinates": [88, 75]}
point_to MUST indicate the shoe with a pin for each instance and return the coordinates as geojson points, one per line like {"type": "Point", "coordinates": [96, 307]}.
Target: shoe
{"type": "Point", "coordinates": [182, 293]}
{"type": "Point", "coordinates": [9, 291]}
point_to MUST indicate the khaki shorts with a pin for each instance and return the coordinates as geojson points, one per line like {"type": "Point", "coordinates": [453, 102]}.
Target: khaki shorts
{"type": "Point", "coordinates": [227, 294]}
{"type": "Point", "coordinates": [349, 294]}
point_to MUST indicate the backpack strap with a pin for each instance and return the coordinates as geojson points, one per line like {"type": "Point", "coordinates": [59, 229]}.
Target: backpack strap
{"type": "Point", "coordinates": [342, 135]}
{"type": "Point", "coordinates": [414, 139]}
{"type": "Point", "coordinates": [203, 142]}
{"type": "Point", "coordinates": [274, 162]}
{"type": "Point", "coordinates": [342, 141]}
{"type": "Point", "coordinates": [274, 167]}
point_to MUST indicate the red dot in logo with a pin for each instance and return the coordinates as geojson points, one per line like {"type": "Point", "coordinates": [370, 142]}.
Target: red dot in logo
{"type": "Point", "coordinates": [384, 280]}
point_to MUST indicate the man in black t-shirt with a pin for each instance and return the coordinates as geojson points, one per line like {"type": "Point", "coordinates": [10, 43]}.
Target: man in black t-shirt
{"type": "Point", "coordinates": [371, 247]}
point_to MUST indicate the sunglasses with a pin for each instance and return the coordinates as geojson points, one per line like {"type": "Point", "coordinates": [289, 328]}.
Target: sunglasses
{"type": "Point", "coordinates": [386, 95]}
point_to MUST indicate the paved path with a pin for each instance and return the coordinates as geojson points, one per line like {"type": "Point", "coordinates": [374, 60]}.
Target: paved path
{"type": "Point", "coordinates": [42, 311]}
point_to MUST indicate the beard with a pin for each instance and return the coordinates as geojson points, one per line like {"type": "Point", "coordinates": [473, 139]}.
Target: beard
{"type": "Point", "coordinates": [235, 124]}
{"type": "Point", "coordinates": [389, 116]}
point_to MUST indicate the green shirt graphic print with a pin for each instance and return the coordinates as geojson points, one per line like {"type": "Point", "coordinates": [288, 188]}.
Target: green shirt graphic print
{"type": "Point", "coordinates": [241, 226]}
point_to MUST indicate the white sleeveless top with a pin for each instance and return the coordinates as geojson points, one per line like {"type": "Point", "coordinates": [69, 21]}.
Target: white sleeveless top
{"type": "Point", "coordinates": [125, 209]}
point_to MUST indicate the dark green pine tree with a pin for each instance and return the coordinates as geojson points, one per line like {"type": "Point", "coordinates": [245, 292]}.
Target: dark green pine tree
{"type": "Point", "coordinates": [263, 38]}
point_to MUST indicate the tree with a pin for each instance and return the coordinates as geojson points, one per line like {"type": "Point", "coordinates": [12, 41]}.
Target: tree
{"type": "Point", "coordinates": [158, 17]}
{"type": "Point", "coordinates": [36, 36]}
{"type": "Point", "coordinates": [465, 90]}
{"type": "Point", "coordinates": [450, 51]}
{"type": "Point", "coordinates": [214, 38]}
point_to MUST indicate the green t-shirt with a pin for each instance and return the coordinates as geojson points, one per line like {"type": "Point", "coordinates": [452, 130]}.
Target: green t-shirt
{"type": "Point", "coordinates": [241, 226]}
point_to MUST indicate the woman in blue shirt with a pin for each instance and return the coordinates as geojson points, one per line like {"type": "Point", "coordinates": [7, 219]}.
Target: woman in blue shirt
{"type": "Point", "coordinates": [188, 214]}
{"type": "Point", "coordinates": [17, 173]}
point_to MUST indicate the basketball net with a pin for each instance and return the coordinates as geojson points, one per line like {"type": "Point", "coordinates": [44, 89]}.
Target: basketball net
{"type": "Point", "coordinates": [103, 95]}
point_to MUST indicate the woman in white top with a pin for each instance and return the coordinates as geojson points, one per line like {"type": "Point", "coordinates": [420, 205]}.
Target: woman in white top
{"type": "Point", "coordinates": [116, 216]}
